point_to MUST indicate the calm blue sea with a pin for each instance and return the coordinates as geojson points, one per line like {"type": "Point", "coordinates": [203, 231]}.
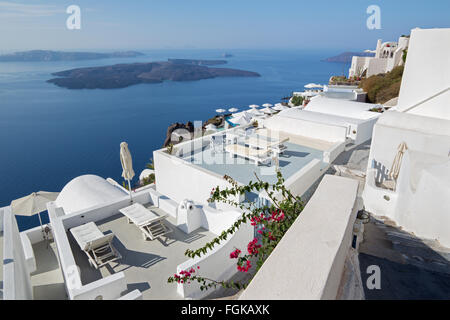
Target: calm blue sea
{"type": "Point", "coordinates": [50, 135]}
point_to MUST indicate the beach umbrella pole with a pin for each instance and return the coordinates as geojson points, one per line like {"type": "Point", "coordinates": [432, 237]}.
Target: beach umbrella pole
{"type": "Point", "coordinates": [129, 188]}
{"type": "Point", "coordinates": [42, 228]}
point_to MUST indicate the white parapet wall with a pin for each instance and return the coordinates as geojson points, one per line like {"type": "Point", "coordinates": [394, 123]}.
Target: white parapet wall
{"type": "Point", "coordinates": [332, 153]}
{"type": "Point", "coordinates": [303, 179]}
{"type": "Point", "coordinates": [179, 180]}
{"type": "Point", "coordinates": [309, 260]}
{"type": "Point", "coordinates": [354, 116]}
{"type": "Point", "coordinates": [216, 263]}
{"type": "Point", "coordinates": [16, 276]}
{"type": "Point", "coordinates": [305, 128]}
{"type": "Point", "coordinates": [109, 288]}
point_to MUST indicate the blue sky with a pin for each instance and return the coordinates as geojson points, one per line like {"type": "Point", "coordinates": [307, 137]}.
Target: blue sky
{"type": "Point", "coordinates": [238, 24]}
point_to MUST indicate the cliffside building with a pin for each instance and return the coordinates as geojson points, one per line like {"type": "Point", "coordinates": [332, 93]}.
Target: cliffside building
{"type": "Point", "coordinates": [388, 55]}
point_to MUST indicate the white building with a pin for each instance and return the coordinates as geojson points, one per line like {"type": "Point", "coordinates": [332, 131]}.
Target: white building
{"type": "Point", "coordinates": [418, 199]}
{"type": "Point", "coordinates": [354, 118]}
{"type": "Point", "coordinates": [388, 55]}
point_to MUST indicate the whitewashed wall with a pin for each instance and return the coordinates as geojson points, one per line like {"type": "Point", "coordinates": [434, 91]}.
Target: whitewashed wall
{"type": "Point", "coordinates": [304, 178]}
{"type": "Point", "coordinates": [420, 202]}
{"type": "Point", "coordinates": [216, 264]}
{"type": "Point", "coordinates": [109, 288]}
{"type": "Point", "coordinates": [16, 276]}
{"type": "Point", "coordinates": [363, 130]}
{"type": "Point", "coordinates": [179, 180]}
{"type": "Point", "coordinates": [308, 129]}
{"type": "Point", "coordinates": [427, 73]}
{"type": "Point", "coordinates": [376, 66]}
{"type": "Point", "coordinates": [309, 260]}
{"type": "Point", "coordinates": [359, 63]}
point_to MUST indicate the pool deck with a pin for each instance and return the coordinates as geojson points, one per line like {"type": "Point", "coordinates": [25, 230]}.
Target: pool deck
{"type": "Point", "coordinates": [300, 151]}
{"type": "Point", "coordinates": [146, 264]}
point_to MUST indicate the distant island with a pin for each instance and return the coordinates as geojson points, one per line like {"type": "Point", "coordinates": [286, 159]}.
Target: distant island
{"type": "Point", "coordinates": [124, 75]}
{"type": "Point", "coordinates": [346, 57]}
{"type": "Point", "coordinates": [48, 55]}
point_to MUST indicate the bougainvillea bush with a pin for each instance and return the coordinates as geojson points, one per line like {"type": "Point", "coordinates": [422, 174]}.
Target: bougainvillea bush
{"type": "Point", "coordinates": [270, 222]}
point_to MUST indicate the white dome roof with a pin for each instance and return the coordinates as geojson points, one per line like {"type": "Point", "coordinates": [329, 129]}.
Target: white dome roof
{"type": "Point", "coordinates": [87, 191]}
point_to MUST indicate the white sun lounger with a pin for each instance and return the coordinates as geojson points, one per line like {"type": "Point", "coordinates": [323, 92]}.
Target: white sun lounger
{"type": "Point", "coordinates": [147, 221]}
{"type": "Point", "coordinates": [97, 246]}
{"type": "Point", "coordinates": [276, 146]}
{"type": "Point", "coordinates": [258, 156]}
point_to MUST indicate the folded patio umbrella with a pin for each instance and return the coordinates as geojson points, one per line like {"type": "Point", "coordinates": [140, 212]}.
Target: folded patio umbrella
{"type": "Point", "coordinates": [127, 165]}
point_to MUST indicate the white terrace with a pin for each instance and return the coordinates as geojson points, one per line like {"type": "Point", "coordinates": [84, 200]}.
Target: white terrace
{"type": "Point", "coordinates": [59, 269]}
{"type": "Point", "coordinates": [310, 148]}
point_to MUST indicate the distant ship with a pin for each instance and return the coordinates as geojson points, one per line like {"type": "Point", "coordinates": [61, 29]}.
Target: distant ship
{"type": "Point", "coordinates": [227, 55]}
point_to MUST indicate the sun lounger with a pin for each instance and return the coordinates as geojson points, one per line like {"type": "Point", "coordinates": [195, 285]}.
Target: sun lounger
{"type": "Point", "coordinates": [276, 146]}
{"type": "Point", "coordinates": [258, 156]}
{"type": "Point", "coordinates": [97, 246]}
{"type": "Point", "coordinates": [151, 225]}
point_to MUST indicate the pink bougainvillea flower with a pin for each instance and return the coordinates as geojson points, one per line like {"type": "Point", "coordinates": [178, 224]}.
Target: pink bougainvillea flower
{"type": "Point", "coordinates": [235, 254]}
{"type": "Point", "coordinates": [253, 246]}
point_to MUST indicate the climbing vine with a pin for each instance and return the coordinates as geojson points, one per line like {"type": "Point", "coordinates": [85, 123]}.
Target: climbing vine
{"type": "Point", "coordinates": [270, 221]}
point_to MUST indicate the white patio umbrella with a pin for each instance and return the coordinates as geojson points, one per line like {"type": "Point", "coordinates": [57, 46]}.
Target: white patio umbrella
{"type": "Point", "coordinates": [313, 85]}
{"type": "Point", "coordinates": [255, 112]}
{"type": "Point", "coordinates": [32, 204]}
{"type": "Point", "coordinates": [220, 110]}
{"type": "Point", "coordinates": [233, 110]}
{"type": "Point", "coordinates": [280, 107]}
{"type": "Point", "coordinates": [127, 165]}
{"type": "Point", "coordinates": [242, 118]}
{"type": "Point", "coordinates": [267, 110]}
{"type": "Point", "coordinates": [267, 105]}
{"type": "Point", "coordinates": [254, 106]}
